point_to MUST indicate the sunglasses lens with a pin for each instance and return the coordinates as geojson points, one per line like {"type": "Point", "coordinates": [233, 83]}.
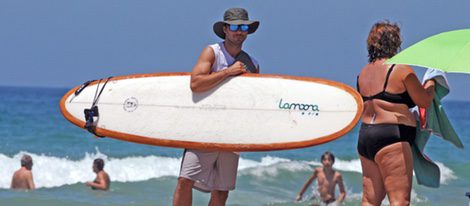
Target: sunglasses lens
{"type": "Point", "coordinates": [233, 27]}
{"type": "Point", "coordinates": [243, 27]}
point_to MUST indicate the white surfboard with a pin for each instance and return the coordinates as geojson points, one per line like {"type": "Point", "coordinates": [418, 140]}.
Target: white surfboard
{"type": "Point", "coordinates": [252, 112]}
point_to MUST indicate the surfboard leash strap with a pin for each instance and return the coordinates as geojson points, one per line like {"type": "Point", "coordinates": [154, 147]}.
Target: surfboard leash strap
{"type": "Point", "coordinates": [97, 95]}
{"type": "Point", "coordinates": [93, 111]}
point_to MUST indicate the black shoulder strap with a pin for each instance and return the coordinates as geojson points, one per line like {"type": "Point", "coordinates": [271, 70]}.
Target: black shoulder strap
{"type": "Point", "coordinates": [246, 59]}
{"type": "Point", "coordinates": [388, 76]}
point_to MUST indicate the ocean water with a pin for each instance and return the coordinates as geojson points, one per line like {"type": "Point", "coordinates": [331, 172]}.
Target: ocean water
{"type": "Point", "coordinates": [31, 123]}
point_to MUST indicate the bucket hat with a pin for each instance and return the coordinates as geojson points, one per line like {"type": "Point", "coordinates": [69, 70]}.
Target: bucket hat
{"type": "Point", "coordinates": [235, 16]}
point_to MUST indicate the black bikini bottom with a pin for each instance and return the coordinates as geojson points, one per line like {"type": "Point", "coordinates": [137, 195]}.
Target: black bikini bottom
{"type": "Point", "coordinates": [374, 137]}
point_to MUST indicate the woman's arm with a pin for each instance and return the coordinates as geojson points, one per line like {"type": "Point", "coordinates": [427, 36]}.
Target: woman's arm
{"type": "Point", "coordinates": [421, 95]}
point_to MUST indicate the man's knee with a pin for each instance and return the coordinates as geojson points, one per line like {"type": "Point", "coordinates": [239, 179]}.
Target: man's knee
{"type": "Point", "coordinates": [220, 195]}
{"type": "Point", "coordinates": [185, 182]}
{"type": "Point", "coordinates": [223, 195]}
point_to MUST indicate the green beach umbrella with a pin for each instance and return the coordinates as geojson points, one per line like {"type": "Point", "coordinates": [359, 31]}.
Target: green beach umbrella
{"type": "Point", "coordinates": [448, 51]}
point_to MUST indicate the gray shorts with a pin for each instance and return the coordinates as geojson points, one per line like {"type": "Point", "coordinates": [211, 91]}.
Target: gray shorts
{"type": "Point", "coordinates": [210, 170]}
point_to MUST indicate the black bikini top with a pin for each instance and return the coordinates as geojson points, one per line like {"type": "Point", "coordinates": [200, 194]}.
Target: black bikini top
{"type": "Point", "coordinates": [402, 98]}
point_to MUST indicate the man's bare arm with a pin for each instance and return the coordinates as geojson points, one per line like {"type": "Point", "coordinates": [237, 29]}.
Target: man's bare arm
{"type": "Point", "coordinates": [202, 79]}
{"type": "Point", "coordinates": [306, 184]}
{"type": "Point", "coordinates": [342, 191]}
{"type": "Point", "coordinates": [102, 183]}
{"type": "Point", "coordinates": [95, 185]}
{"type": "Point", "coordinates": [31, 185]}
{"type": "Point", "coordinates": [12, 185]}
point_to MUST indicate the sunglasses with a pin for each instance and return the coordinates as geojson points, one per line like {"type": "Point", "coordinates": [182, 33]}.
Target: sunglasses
{"type": "Point", "coordinates": [242, 27]}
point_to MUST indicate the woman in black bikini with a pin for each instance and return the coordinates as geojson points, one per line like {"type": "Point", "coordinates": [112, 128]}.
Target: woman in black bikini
{"type": "Point", "coordinates": [388, 127]}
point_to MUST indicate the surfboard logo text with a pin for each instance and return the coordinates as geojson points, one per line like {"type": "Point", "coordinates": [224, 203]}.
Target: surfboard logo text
{"type": "Point", "coordinates": [312, 109]}
{"type": "Point", "coordinates": [130, 104]}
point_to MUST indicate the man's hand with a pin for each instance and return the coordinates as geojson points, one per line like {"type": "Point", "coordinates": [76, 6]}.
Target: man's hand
{"type": "Point", "coordinates": [236, 69]}
{"type": "Point", "coordinates": [298, 198]}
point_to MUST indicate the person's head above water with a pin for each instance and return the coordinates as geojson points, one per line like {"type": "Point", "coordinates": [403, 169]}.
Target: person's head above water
{"type": "Point", "coordinates": [98, 164]}
{"type": "Point", "coordinates": [27, 161]}
{"type": "Point", "coordinates": [327, 159]}
{"type": "Point", "coordinates": [384, 40]}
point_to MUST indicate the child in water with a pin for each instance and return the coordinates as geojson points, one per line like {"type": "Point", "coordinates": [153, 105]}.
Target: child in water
{"type": "Point", "coordinates": [327, 179]}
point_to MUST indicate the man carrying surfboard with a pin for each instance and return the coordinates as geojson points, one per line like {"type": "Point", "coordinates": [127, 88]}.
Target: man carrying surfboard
{"type": "Point", "coordinates": [216, 171]}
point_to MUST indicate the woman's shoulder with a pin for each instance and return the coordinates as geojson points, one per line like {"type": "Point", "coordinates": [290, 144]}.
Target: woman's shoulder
{"type": "Point", "coordinates": [363, 70]}
{"type": "Point", "coordinates": [404, 69]}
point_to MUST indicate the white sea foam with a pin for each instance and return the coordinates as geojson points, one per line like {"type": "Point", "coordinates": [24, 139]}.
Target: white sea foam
{"type": "Point", "coordinates": [269, 166]}
{"type": "Point", "coordinates": [49, 171]}
{"type": "Point", "coordinates": [446, 173]}
{"type": "Point", "coordinates": [54, 171]}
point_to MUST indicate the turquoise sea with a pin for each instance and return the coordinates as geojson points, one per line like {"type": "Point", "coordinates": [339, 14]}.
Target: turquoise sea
{"type": "Point", "coordinates": [30, 122]}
